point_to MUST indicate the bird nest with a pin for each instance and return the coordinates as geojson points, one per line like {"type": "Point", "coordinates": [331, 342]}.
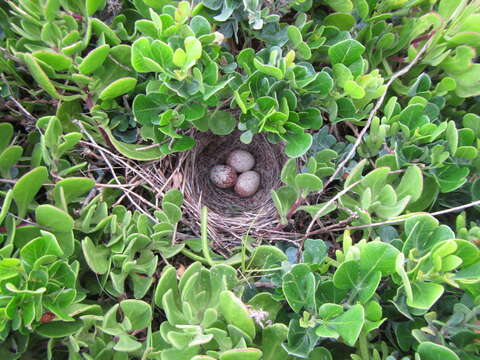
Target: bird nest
{"type": "Point", "coordinates": [231, 216]}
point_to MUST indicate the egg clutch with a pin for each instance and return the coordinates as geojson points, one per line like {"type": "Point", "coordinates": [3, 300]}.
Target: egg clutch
{"type": "Point", "coordinates": [237, 173]}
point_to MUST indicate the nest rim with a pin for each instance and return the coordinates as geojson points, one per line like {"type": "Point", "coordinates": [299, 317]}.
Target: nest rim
{"type": "Point", "coordinates": [230, 217]}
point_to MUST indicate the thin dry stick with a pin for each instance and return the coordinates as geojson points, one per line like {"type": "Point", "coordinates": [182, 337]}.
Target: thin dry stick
{"type": "Point", "coordinates": [332, 200]}
{"type": "Point", "coordinates": [328, 203]}
{"type": "Point", "coordinates": [362, 133]}
{"type": "Point", "coordinates": [398, 221]}
{"type": "Point", "coordinates": [20, 107]}
{"type": "Point", "coordinates": [373, 112]}
{"type": "Point", "coordinates": [127, 193]}
{"type": "Point", "coordinates": [121, 161]}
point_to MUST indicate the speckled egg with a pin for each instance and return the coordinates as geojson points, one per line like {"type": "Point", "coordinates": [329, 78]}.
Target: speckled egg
{"type": "Point", "coordinates": [223, 176]}
{"type": "Point", "coordinates": [241, 160]}
{"type": "Point", "coordinates": [247, 184]}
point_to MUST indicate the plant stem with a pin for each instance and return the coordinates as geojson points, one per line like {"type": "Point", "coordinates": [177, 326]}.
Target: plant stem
{"type": "Point", "coordinates": [193, 256]}
{"type": "Point", "coordinates": [204, 235]}
{"type": "Point", "coordinates": [295, 206]}
{"type": "Point", "coordinates": [363, 345]}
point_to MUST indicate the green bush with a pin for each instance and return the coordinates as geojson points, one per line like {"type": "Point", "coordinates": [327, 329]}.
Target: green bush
{"type": "Point", "coordinates": [375, 105]}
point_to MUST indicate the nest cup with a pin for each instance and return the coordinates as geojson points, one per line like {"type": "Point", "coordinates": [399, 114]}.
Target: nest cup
{"type": "Point", "coordinates": [230, 216]}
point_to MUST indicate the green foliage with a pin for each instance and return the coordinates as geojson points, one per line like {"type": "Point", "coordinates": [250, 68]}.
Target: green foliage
{"type": "Point", "coordinates": [204, 317]}
{"type": "Point", "coordinates": [375, 105]}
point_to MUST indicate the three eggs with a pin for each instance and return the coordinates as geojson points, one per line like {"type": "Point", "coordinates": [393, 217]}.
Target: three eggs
{"type": "Point", "coordinates": [225, 176]}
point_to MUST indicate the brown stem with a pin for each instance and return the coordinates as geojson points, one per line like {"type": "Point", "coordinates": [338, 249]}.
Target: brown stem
{"type": "Point", "coordinates": [295, 206]}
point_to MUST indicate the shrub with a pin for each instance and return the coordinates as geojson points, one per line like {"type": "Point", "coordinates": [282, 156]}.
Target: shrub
{"type": "Point", "coordinates": [362, 242]}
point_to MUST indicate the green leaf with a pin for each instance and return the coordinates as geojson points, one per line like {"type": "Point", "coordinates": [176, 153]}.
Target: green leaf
{"type": "Point", "coordinates": [273, 337]}
{"type": "Point", "coordinates": [467, 152]}
{"type": "Point", "coordinates": [57, 61]}
{"type": "Point", "coordinates": [474, 190]}
{"type": "Point", "coordinates": [349, 324]}
{"type": "Point", "coordinates": [145, 109]}
{"type": "Point", "coordinates": [93, 5]}
{"type": "Point", "coordinates": [138, 313]}
{"type": "Point", "coordinates": [298, 286]}
{"type": "Point", "coordinates": [344, 6]}
{"type": "Point", "coordinates": [40, 77]}
{"type": "Point", "coordinates": [9, 157]}
{"type": "Point", "coordinates": [313, 210]}
{"type": "Point", "coordinates": [141, 56]}
{"type": "Point", "coordinates": [364, 275]}
{"type": "Point", "coordinates": [378, 256]}
{"type": "Point", "coordinates": [236, 313]}
{"type": "Point", "coordinates": [354, 90]}
{"type": "Point", "coordinates": [163, 53]}
{"type": "Point", "coordinates": [27, 188]}
{"type": "Point", "coordinates": [6, 129]}
{"type": "Point", "coordinates": [50, 34]}
{"type": "Point", "coordinates": [346, 275]}
{"type": "Point", "coordinates": [341, 21]}
{"type": "Point", "coordinates": [446, 8]}
{"type": "Point", "coordinates": [193, 112]}
{"type": "Point", "coordinates": [132, 150]}
{"type": "Point", "coordinates": [193, 49]}
{"type": "Point", "coordinates": [424, 295]}
{"type": "Point", "coordinates": [452, 137]}
{"type": "Point", "coordinates": [97, 257]}
{"type": "Point", "coordinates": [294, 35]}
{"type": "Point", "coordinates": [180, 57]}
{"type": "Point", "coordinates": [241, 354]}
{"type": "Point", "coordinates": [70, 189]}
{"type": "Point", "coordinates": [100, 28]}
{"type": "Point", "coordinates": [268, 69]}
{"type": "Point", "coordinates": [200, 25]}
{"type": "Point", "coordinates": [412, 116]}
{"type": "Point", "coordinates": [283, 198]}
{"type": "Point", "coordinates": [54, 219]}
{"type": "Point", "coordinates": [451, 177]}
{"type": "Point", "coordinates": [314, 251]}
{"type": "Point", "coordinates": [9, 268]}
{"type": "Point", "coordinates": [308, 182]}
{"type": "Point", "coordinates": [173, 196]}
{"type": "Point", "coordinates": [413, 175]}
{"type": "Point", "coordinates": [183, 11]}
{"type": "Point", "coordinates": [126, 344]}
{"type": "Point", "coordinates": [289, 171]}
{"type": "Point", "coordinates": [39, 247]}
{"type": "Point", "coordinates": [421, 84]}
{"type": "Point", "coordinates": [51, 9]}
{"type": "Point", "coordinates": [266, 256]}
{"type": "Point", "coordinates": [298, 141]}
{"type": "Point", "coordinates": [221, 122]}
{"type": "Point", "coordinates": [6, 205]}
{"type": "Point", "coordinates": [431, 351]}
{"type": "Point", "coordinates": [428, 196]}
{"type": "Point", "coordinates": [94, 59]}
{"type": "Point", "coordinates": [345, 52]}
{"type": "Point", "coordinates": [168, 281]}
{"type": "Point", "coordinates": [471, 121]}
{"type": "Point", "coordinates": [328, 311]}
{"type": "Point", "coordinates": [118, 87]}
{"type": "Point", "coordinates": [59, 329]}
{"type": "Point", "coordinates": [399, 266]}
